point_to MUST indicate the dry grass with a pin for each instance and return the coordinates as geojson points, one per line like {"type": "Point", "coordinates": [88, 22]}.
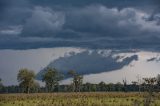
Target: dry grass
{"type": "Point", "coordinates": [76, 99]}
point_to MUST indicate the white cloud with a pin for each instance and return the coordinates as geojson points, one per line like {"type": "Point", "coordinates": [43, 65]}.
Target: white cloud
{"type": "Point", "coordinates": [140, 19]}
{"type": "Point", "coordinates": [11, 30]}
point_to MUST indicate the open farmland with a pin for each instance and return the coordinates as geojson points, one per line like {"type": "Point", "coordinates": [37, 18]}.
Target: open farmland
{"type": "Point", "coordinates": [77, 99]}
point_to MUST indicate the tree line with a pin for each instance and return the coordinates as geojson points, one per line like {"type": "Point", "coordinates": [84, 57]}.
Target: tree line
{"type": "Point", "coordinates": [52, 77]}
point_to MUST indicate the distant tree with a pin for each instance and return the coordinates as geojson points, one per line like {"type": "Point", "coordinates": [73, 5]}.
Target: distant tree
{"type": "Point", "coordinates": [93, 88]}
{"type": "Point", "coordinates": [1, 85]}
{"type": "Point", "coordinates": [139, 82]}
{"type": "Point", "coordinates": [0, 81]}
{"type": "Point", "coordinates": [89, 87]}
{"type": "Point", "coordinates": [12, 89]}
{"type": "Point", "coordinates": [149, 84]}
{"type": "Point", "coordinates": [110, 87]}
{"type": "Point", "coordinates": [102, 86]}
{"type": "Point", "coordinates": [158, 79]}
{"type": "Point", "coordinates": [51, 78]}
{"type": "Point", "coordinates": [77, 80]}
{"type": "Point", "coordinates": [158, 83]}
{"type": "Point", "coordinates": [134, 85]}
{"type": "Point", "coordinates": [118, 86]}
{"type": "Point", "coordinates": [25, 78]}
{"type": "Point", "coordinates": [125, 85]}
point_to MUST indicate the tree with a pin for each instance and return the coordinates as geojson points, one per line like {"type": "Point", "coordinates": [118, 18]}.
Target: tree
{"type": "Point", "coordinates": [77, 80]}
{"type": "Point", "coordinates": [110, 87]}
{"type": "Point", "coordinates": [36, 87]}
{"type": "Point", "coordinates": [89, 87]}
{"type": "Point", "coordinates": [25, 78]}
{"type": "Point", "coordinates": [149, 86]}
{"type": "Point", "coordinates": [1, 85]}
{"type": "Point", "coordinates": [158, 83]}
{"type": "Point", "coordinates": [102, 86]}
{"type": "Point", "coordinates": [118, 86]}
{"type": "Point", "coordinates": [125, 85]}
{"type": "Point", "coordinates": [158, 79]}
{"type": "Point", "coordinates": [134, 85]}
{"type": "Point", "coordinates": [51, 78]}
{"type": "Point", "coordinates": [139, 82]}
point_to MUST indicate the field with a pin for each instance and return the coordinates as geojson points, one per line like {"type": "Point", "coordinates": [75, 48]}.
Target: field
{"type": "Point", "coordinates": [77, 99]}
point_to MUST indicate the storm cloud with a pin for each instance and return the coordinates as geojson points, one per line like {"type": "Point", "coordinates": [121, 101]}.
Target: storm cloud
{"type": "Point", "coordinates": [95, 24]}
{"type": "Point", "coordinates": [90, 62]}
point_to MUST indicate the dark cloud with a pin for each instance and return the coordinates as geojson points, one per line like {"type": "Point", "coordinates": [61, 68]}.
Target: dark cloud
{"type": "Point", "coordinates": [122, 24]}
{"type": "Point", "coordinates": [151, 59]}
{"type": "Point", "coordinates": [91, 62]}
{"type": "Point", "coordinates": [108, 3]}
{"type": "Point", "coordinates": [45, 20]}
{"type": "Point", "coordinates": [13, 11]}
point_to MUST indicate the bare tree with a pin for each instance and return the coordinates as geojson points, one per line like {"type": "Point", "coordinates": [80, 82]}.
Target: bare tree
{"type": "Point", "coordinates": [139, 82]}
{"type": "Point", "coordinates": [125, 85]}
{"type": "Point", "coordinates": [149, 86]}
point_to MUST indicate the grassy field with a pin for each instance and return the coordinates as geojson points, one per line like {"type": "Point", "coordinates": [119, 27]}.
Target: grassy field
{"type": "Point", "coordinates": [77, 99]}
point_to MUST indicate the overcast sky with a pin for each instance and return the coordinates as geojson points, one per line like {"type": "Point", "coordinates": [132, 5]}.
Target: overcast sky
{"type": "Point", "coordinates": [27, 26]}
{"type": "Point", "coordinates": [114, 24]}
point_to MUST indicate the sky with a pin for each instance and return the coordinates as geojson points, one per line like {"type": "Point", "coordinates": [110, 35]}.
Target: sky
{"type": "Point", "coordinates": [31, 31]}
{"type": "Point", "coordinates": [112, 24]}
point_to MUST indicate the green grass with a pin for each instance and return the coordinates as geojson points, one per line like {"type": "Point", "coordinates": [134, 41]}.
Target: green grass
{"type": "Point", "coordinates": [76, 99]}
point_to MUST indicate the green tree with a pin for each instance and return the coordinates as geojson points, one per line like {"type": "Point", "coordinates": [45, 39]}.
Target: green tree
{"type": "Point", "coordinates": [93, 87]}
{"type": "Point", "coordinates": [102, 86]}
{"type": "Point", "coordinates": [77, 80]}
{"type": "Point", "coordinates": [51, 78]}
{"type": "Point", "coordinates": [87, 87]}
{"type": "Point", "coordinates": [36, 87]}
{"type": "Point", "coordinates": [110, 87]}
{"type": "Point", "coordinates": [118, 86]}
{"type": "Point", "coordinates": [25, 78]}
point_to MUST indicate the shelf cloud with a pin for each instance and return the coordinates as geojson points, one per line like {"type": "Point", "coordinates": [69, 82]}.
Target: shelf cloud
{"type": "Point", "coordinates": [90, 62]}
